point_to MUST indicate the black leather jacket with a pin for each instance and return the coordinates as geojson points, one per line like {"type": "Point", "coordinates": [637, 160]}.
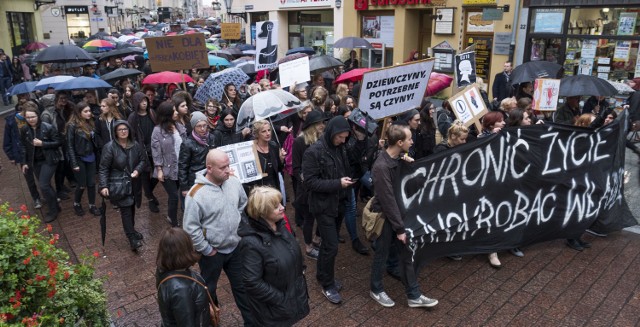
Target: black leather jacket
{"type": "Point", "coordinates": [272, 274]}
{"type": "Point", "coordinates": [51, 142]}
{"type": "Point", "coordinates": [182, 302]}
{"type": "Point", "coordinates": [192, 160]}
{"type": "Point", "coordinates": [79, 144]}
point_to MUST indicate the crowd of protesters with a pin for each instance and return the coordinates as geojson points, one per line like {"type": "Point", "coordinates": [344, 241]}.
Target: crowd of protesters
{"type": "Point", "coordinates": [131, 138]}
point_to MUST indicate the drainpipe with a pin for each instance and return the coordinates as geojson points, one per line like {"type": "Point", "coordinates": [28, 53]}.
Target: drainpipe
{"type": "Point", "coordinates": [514, 29]}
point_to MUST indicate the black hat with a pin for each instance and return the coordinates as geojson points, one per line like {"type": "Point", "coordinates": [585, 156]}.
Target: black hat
{"type": "Point", "coordinates": [313, 117]}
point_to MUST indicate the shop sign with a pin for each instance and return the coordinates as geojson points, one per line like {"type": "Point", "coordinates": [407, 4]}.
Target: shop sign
{"type": "Point", "coordinates": [177, 52]}
{"type": "Point", "coordinates": [492, 14]}
{"type": "Point", "coordinates": [478, 2]}
{"type": "Point", "coordinates": [364, 4]}
{"type": "Point", "coordinates": [475, 23]}
{"type": "Point", "coordinates": [230, 31]}
{"type": "Point", "coordinates": [76, 10]}
{"type": "Point", "coordinates": [305, 3]}
{"type": "Point", "coordinates": [111, 11]}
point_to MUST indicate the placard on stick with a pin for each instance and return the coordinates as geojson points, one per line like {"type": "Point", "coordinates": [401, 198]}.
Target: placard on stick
{"type": "Point", "coordinates": [468, 106]}
{"type": "Point", "coordinates": [244, 161]}
{"type": "Point", "coordinates": [545, 94]}
{"type": "Point", "coordinates": [177, 52]}
{"type": "Point", "coordinates": [294, 71]}
{"type": "Point", "coordinates": [230, 31]}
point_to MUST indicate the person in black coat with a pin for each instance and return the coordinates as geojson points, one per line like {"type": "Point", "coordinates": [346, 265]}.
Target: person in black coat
{"type": "Point", "coordinates": [181, 299]}
{"type": "Point", "coordinates": [40, 151]}
{"type": "Point", "coordinates": [502, 83]}
{"type": "Point", "coordinates": [225, 133]}
{"type": "Point", "coordinates": [272, 270]}
{"type": "Point", "coordinates": [194, 150]}
{"type": "Point", "coordinates": [124, 158]}
{"type": "Point", "coordinates": [325, 168]}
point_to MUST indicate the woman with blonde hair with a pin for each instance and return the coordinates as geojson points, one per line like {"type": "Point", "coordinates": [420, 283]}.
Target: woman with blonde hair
{"type": "Point", "coordinates": [109, 114]}
{"type": "Point", "coordinates": [272, 269]}
{"type": "Point", "coordinates": [271, 157]}
{"type": "Point", "coordinates": [318, 97]}
{"type": "Point", "coordinates": [342, 90]}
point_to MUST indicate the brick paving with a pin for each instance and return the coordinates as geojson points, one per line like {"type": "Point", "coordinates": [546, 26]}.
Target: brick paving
{"type": "Point", "coordinates": [551, 286]}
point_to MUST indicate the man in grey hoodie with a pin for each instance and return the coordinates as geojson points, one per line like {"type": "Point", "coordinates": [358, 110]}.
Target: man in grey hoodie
{"type": "Point", "coordinates": [212, 215]}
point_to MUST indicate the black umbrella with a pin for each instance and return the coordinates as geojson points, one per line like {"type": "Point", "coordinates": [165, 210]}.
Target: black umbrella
{"type": "Point", "coordinates": [120, 73]}
{"type": "Point", "coordinates": [103, 220]}
{"type": "Point", "coordinates": [68, 65]}
{"type": "Point", "coordinates": [530, 71]}
{"type": "Point", "coordinates": [579, 85]}
{"type": "Point", "coordinates": [63, 53]}
{"type": "Point", "coordinates": [305, 50]}
{"type": "Point", "coordinates": [244, 46]}
{"type": "Point", "coordinates": [124, 45]}
{"type": "Point", "coordinates": [248, 67]}
{"type": "Point", "coordinates": [126, 31]}
{"type": "Point", "coordinates": [352, 42]}
{"type": "Point", "coordinates": [235, 52]}
{"type": "Point", "coordinates": [323, 62]}
{"type": "Point", "coordinates": [122, 52]}
{"type": "Point", "coordinates": [100, 36]}
{"type": "Point", "coordinates": [222, 54]}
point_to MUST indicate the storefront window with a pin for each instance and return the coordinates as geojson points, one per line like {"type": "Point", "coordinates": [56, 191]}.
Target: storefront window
{"type": "Point", "coordinates": [312, 29]}
{"type": "Point", "coordinates": [547, 49]}
{"type": "Point", "coordinates": [604, 21]}
{"type": "Point", "coordinates": [20, 30]}
{"type": "Point", "coordinates": [78, 24]}
{"type": "Point", "coordinates": [548, 20]}
{"type": "Point", "coordinates": [605, 58]}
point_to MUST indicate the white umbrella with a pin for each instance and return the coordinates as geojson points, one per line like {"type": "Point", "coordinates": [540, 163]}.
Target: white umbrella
{"type": "Point", "coordinates": [623, 88]}
{"type": "Point", "coordinates": [272, 104]}
{"type": "Point", "coordinates": [45, 83]}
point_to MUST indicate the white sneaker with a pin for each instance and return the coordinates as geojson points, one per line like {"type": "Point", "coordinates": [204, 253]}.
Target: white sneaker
{"type": "Point", "coordinates": [383, 299]}
{"type": "Point", "coordinates": [422, 302]}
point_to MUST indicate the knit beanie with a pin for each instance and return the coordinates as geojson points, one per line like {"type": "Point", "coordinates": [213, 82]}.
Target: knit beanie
{"type": "Point", "coordinates": [196, 117]}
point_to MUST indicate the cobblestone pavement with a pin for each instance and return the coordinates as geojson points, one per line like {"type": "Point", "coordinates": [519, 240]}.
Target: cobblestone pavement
{"type": "Point", "coordinates": [551, 286]}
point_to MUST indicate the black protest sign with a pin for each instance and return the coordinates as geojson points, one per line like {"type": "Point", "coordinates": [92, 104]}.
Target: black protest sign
{"type": "Point", "coordinates": [518, 187]}
{"type": "Point", "coordinates": [465, 69]}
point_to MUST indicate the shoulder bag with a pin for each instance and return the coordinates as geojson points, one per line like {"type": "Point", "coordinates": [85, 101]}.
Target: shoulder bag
{"type": "Point", "coordinates": [214, 311]}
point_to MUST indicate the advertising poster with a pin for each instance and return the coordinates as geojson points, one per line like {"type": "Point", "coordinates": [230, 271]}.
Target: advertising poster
{"type": "Point", "coordinates": [545, 94]}
{"type": "Point", "coordinates": [243, 161]}
{"type": "Point", "coordinates": [627, 23]}
{"type": "Point", "coordinates": [476, 24]}
{"type": "Point", "coordinates": [589, 48]}
{"type": "Point", "coordinates": [378, 29]}
{"type": "Point", "coordinates": [266, 45]}
{"type": "Point", "coordinates": [621, 52]}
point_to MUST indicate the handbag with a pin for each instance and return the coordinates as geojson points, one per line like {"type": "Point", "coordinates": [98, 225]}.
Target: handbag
{"type": "Point", "coordinates": [372, 222]}
{"type": "Point", "coordinates": [119, 186]}
{"type": "Point", "coordinates": [214, 310]}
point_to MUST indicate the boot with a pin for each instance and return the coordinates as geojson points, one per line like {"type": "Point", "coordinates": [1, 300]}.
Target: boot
{"type": "Point", "coordinates": [134, 243]}
{"type": "Point", "coordinates": [153, 205]}
{"type": "Point", "coordinates": [77, 207]}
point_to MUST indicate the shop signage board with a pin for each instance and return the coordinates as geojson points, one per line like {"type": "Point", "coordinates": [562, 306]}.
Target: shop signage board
{"type": "Point", "coordinates": [548, 21]}
{"type": "Point", "coordinates": [177, 52]}
{"type": "Point", "coordinates": [305, 3]}
{"type": "Point", "coordinates": [475, 23]}
{"type": "Point", "coordinates": [621, 52]}
{"type": "Point", "coordinates": [294, 71]}
{"type": "Point", "coordinates": [389, 91]}
{"type": "Point", "coordinates": [243, 161]}
{"type": "Point", "coordinates": [444, 21]}
{"type": "Point", "coordinates": [465, 66]}
{"type": "Point", "coordinates": [478, 2]}
{"type": "Point", "coordinates": [589, 48]}
{"type": "Point", "coordinates": [492, 14]}
{"type": "Point", "coordinates": [502, 43]}
{"type": "Point", "coordinates": [444, 54]}
{"type": "Point", "coordinates": [364, 4]}
{"type": "Point", "coordinates": [230, 31]}
{"type": "Point", "coordinates": [545, 94]}
{"type": "Point", "coordinates": [266, 45]}
{"type": "Point", "coordinates": [468, 106]}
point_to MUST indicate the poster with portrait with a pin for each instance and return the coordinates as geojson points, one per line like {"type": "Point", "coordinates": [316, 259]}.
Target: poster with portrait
{"type": "Point", "coordinates": [545, 94]}
{"type": "Point", "coordinates": [378, 29]}
{"type": "Point", "coordinates": [465, 68]}
{"type": "Point", "coordinates": [266, 45]}
{"type": "Point", "coordinates": [243, 161]}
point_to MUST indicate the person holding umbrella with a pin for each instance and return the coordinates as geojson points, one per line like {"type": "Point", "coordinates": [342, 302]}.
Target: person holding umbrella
{"type": "Point", "coordinates": [230, 98]}
{"type": "Point", "coordinates": [123, 160]}
{"type": "Point", "coordinates": [352, 62]}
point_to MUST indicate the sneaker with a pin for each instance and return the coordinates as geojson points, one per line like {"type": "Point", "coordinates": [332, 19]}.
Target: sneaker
{"type": "Point", "coordinates": [455, 257]}
{"type": "Point", "coordinates": [332, 295]}
{"type": "Point", "coordinates": [37, 204]}
{"type": "Point", "coordinates": [382, 298]}
{"type": "Point", "coordinates": [596, 233]}
{"type": "Point", "coordinates": [153, 206]}
{"type": "Point", "coordinates": [422, 302]}
{"type": "Point", "coordinates": [313, 254]}
{"type": "Point", "coordinates": [338, 284]}
{"type": "Point", "coordinates": [517, 252]}
{"type": "Point", "coordinates": [95, 211]}
{"type": "Point", "coordinates": [78, 209]}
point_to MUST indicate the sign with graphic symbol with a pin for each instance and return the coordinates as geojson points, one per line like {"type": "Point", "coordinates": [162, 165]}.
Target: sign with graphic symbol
{"type": "Point", "coordinates": [468, 106]}
{"type": "Point", "coordinates": [545, 94]}
{"type": "Point", "coordinates": [243, 161]}
{"type": "Point", "coordinates": [266, 45]}
{"type": "Point", "coordinates": [465, 68]}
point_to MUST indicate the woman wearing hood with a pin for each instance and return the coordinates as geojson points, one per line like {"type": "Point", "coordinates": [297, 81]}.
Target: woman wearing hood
{"type": "Point", "coordinates": [123, 159]}
{"type": "Point", "coordinates": [142, 121]}
{"type": "Point", "coordinates": [225, 133]}
{"type": "Point", "coordinates": [166, 140]}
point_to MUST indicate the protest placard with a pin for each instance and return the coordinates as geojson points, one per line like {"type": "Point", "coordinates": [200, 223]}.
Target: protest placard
{"type": "Point", "coordinates": [545, 94]}
{"type": "Point", "coordinates": [243, 161]}
{"type": "Point", "coordinates": [390, 91]}
{"type": "Point", "coordinates": [465, 69]}
{"type": "Point", "coordinates": [266, 45]}
{"type": "Point", "coordinates": [294, 72]}
{"type": "Point", "coordinates": [468, 106]}
{"type": "Point", "coordinates": [230, 31]}
{"type": "Point", "coordinates": [177, 52]}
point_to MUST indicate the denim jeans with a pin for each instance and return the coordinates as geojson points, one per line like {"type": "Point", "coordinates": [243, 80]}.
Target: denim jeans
{"type": "Point", "coordinates": [171, 187]}
{"type": "Point", "coordinates": [211, 268]}
{"type": "Point", "coordinates": [45, 172]}
{"type": "Point", "coordinates": [328, 228]}
{"type": "Point", "coordinates": [350, 213]}
{"type": "Point", "coordinates": [408, 274]}
{"type": "Point", "coordinates": [5, 83]}
{"type": "Point", "coordinates": [86, 178]}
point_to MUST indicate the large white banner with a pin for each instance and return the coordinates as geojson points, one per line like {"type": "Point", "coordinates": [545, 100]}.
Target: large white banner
{"type": "Point", "coordinates": [266, 45]}
{"type": "Point", "coordinates": [294, 71]}
{"type": "Point", "coordinates": [390, 91]}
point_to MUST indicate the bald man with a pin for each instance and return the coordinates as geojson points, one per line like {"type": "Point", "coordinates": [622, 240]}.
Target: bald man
{"type": "Point", "coordinates": [211, 217]}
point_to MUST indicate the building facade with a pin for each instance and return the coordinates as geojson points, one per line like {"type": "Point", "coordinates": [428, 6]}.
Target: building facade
{"type": "Point", "coordinates": [20, 24]}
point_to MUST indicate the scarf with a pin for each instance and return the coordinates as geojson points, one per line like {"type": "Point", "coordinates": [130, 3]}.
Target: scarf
{"type": "Point", "coordinates": [213, 120]}
{"type": "Point", "coordinates": [202, 141]}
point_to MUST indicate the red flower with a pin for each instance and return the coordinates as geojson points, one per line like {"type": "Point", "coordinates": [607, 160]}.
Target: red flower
{"type": "Point", "coordinates": [17, 304]}
{"type": "Point", "coordinates": [25, 231]}
{"type": "Point", "coordinates": [40, 277]}
{"type": "Point", "coordinates": [49, 228]}
{"type": "Point", "coordinates": [24, 208]}
{"type": "Point", "coordinates": [24, 217]}
{"type": "Point", "coordinates": [10, 209]}
{"type": "Point", "coordinates": [18, 295]}
{"type": "Point", "coordinates": [66, 275]}
{"type": "Point", "coordinates": [96, 254]}
{"type": "Point", "coordinates": [27, 260]}
{"type": "Point", "coordinates": [35, 252]}
{"type": "Point", "coordinates": [53, 267]}
{"type": "Point", "coordinates": [51, 293]}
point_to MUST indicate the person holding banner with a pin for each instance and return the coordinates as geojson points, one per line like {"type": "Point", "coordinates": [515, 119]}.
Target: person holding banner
{"type": "Point", "coordinates": [393, 231]}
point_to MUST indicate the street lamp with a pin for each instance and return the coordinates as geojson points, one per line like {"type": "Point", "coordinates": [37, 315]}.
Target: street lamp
{"type": "Point", "coordinates": [242, 15]}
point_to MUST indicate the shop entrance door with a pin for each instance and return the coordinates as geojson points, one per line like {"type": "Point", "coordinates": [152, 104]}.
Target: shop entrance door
{"type": "Point", "coordinates": [483, 44]}
{"type": "Point", "coordinates": [424, 37]}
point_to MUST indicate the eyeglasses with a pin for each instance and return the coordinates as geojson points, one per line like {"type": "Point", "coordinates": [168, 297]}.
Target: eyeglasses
{"type": "Point", "coordinates": [31, 117]}
{"type": "Point", "coordinates": [122, 130]}
{"type": "Point", "coordinates": [201, 126]}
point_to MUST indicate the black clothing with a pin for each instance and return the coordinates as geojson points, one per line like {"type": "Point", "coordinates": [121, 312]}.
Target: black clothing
{"type": "Point", "coordinates": [182, 302]}
{"type": "Point", "coordinates": [350, 64]}
{"type": "Point", "coordinates": [11, 141]}
{"type": "Point", "coordinates": [51, 142]}
{"type": "Point", "coordinates": [501, 88]}
{"type": "Point", "coordinates": [592, 102]}
{"type": "Point", "coordinates": [104, 132]}
{"type": "Point", "coordinates": [425, 142]}
{"type": "Point", "coordinates": [79, 144]}
{"type": "Point", "coordinates": [384, 172]}
{"type": "Point", "coordinates": [192, 159]}
{"type": "Point", "coordinates": [271, 164]}
{"type": "Point", "coordinates": [441, 147]}
{"type": "Point", "coordinates": [142, 128]}
{"type": "Point", "coordinates": [273, 274]}
{"type": "Point", "coordinates": [225, 136]}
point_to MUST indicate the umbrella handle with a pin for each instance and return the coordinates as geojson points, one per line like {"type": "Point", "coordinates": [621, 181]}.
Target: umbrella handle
{"type": "Point", "coordinates": [275, 133]}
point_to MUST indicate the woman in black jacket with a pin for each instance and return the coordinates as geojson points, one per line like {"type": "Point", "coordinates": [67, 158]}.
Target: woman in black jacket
{"type": "Point", "coordinates": [81, 147]}
{"type": "Point", "coordinates": [270, 154]}
{"type": "Point", "coordinates": [181, 299]}
{"type": "Point", "coordinates": [193, 151]}
{"type": "Point", "coordinates": [124, 159]}
{"type": "Point", "coordinates": [272, 270]}
{"type": "Point", "coordinates": [40, 149]}
{"type": "Point", "coordinates": [426, 136]}
{"type": "Point", "coordinates": [225, 133]}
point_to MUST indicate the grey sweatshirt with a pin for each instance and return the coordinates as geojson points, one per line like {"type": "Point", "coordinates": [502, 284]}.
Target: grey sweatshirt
{"type": "Point", "coordinates": [212, 214]}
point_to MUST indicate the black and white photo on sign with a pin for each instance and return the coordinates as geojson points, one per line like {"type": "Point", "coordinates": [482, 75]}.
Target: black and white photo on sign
{"type": "Point", "coordinates": [465, 69]}
{"type": "Point", "coordinates": [243, 161]}
{"type": "Point", "coordinates": [266, 45]}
